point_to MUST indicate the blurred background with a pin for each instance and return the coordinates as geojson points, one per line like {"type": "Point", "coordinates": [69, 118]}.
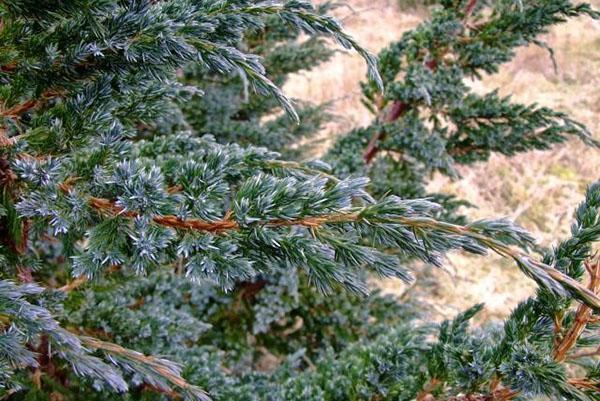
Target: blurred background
{"type": "Point", "coordinates": [536, 189]}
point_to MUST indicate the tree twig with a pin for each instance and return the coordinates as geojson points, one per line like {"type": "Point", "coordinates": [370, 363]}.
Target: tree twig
{"type": "Point", "coordinates": [582, 316]}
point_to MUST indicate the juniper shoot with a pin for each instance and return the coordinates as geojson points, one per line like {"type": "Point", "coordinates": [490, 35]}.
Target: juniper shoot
{"type": "Point", "coordinates": [106, 187]}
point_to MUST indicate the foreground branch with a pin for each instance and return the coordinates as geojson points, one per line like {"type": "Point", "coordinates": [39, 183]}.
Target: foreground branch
{"type": "Point", "coordinates": [531, 267]}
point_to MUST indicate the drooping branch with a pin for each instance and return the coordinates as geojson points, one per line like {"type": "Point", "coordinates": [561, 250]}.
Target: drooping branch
{"type": "Point", "coordinates": [161, 367]}
{"type": "Point", "coordinates": [530, 266]}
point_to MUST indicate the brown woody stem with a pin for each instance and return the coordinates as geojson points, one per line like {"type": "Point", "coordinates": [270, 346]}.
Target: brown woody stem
{"type": "Point", "coordinates": [582, 316]}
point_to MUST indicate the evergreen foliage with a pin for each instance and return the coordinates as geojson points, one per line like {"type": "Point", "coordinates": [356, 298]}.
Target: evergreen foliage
{"type": "Point", "coordinates": [232, 113]}
{"type": "Point", "coordinates": [143, 258]}
{"type": "Point", "coordinates": [429, 120]}
{"type": "Point", "coordinates": [535, 352]}
{"type": "Point", "coordinates": [531, 355]}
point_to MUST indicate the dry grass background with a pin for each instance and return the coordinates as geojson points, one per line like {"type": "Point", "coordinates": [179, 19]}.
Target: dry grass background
{"type": "Point", "coordinates": [537, 189]}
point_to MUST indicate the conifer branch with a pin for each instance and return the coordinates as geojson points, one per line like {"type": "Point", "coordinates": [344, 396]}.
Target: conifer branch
{"type": "Point", "coordinates": [539, 271]}
{"type": "Point", "coordinates": [95, 172]}
{"type": "Point", "coordinates": [431, 71]}
{"type": "Point", "coordinates": [299, 11]}
{"type": "Point", "coordinates": [582, 316]}
{"type": "Point", "coordinates": [161, 367]}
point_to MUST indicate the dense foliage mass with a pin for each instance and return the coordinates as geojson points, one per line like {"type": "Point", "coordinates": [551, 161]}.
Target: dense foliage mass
{"type": "Point", "coordinates": [152, 247]}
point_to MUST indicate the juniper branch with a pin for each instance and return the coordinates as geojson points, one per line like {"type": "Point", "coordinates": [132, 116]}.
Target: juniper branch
{"type": "Point", "coordinates": [162, 368]}
{"type": "Point", "coordinates": [542, 273]}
